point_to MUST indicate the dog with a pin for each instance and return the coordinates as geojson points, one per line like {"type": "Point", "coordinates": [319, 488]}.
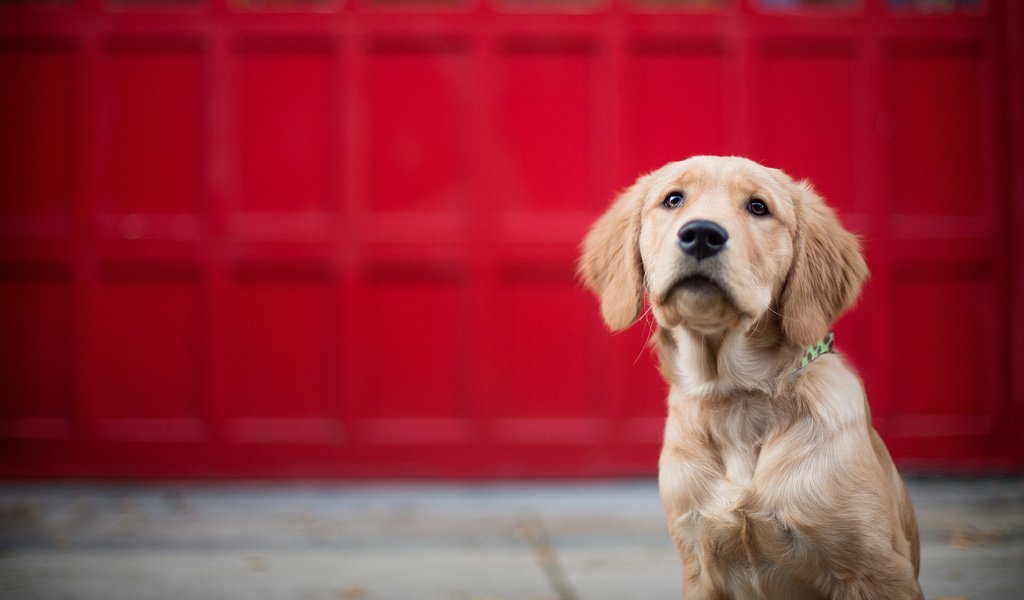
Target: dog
{"type": "Point", "coordinates": [774, 482]}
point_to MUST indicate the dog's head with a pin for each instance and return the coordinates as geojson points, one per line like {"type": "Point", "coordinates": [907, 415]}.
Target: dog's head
{"type": "Point", "coordinates": [715, 243]}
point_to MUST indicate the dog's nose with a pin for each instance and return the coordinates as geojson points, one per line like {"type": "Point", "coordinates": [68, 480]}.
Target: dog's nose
{"type": "Point", "coordinates": [701, 239]}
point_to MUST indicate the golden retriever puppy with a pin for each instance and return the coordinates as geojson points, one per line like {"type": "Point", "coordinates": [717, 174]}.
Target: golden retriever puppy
{"type": "Point", "coordinates": [775, 483]}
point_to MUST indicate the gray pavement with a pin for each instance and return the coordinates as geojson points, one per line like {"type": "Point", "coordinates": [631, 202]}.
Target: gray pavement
{"type": "Point", "coordinates": [529, 541]}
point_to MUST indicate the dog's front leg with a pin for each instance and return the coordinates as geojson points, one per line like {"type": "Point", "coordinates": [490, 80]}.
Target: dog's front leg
{"type": "Point", "coordinates": [823, 511]}
{"type": "Point", "coordinates": [704, 528]}
{"type": "Point", "coordinates": [697, 541]}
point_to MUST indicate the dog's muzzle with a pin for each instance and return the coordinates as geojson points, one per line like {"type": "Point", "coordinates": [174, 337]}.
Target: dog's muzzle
{"type": "Point", "coordinates": [702, 239]}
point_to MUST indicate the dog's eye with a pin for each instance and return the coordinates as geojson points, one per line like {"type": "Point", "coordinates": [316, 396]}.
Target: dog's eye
{"type": "Point", "coordinates": [757, 207]}
{"type": "Point", "coordinates": [673, 200]}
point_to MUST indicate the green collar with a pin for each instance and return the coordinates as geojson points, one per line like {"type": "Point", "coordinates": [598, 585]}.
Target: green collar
{"type": "Point", "coordinates": [823, 346]}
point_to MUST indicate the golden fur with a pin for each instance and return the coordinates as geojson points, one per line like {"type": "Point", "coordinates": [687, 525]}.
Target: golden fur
{"type": "Point", "coordinates": [774, 482]}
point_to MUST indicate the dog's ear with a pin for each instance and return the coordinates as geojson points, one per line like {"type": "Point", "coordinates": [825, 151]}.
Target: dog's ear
{"type": "Point", "coordinates": [827, 272]}
{"type": "Point", "coordinates": [610, 261]}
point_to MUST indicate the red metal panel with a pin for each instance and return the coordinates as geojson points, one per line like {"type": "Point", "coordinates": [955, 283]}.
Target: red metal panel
{"type": "Point", "coordinates": [283, 102]}
{"type": "Point", "coordinates": [151, 327]}
{"type": "Point", "coordinates": [675, 102]}
{"type": "Point", "coordinates": [279, 382]}
{"type": "Point", "coordinates": [417, 106]}
{"type": "Point", "coordinates": [545, 110]}
{"type": "Point", "coordinates": [954, 399]}
{"type": "Point", "coordinates": [35, 316]}
{"type": "Point", "coordinates": [938, 119]}
{"type": "Point", "coordinates": [1013, 65]}
{"type": "Point", "coordinates": [948, 264]}
{"type": "Point", "coordinates": [154, 95]}
{"type": "Point", "coordinates": [639, 401]}
{"type": "Point", "coordinates": [415, 325]}
{"type": "Point", "coordinates": [36, 126]}
{"type": "Point", "coordinates": [548, 308]}
{"type": "Point", "coordinates": [924, 296]}
{"type": "Point", "coordinates": [338, 239]}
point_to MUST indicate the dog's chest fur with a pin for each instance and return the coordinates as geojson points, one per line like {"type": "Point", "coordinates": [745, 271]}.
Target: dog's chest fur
{"type": "Point", "coordinates": [737, 429]}
{"type": "Point", "coordinates": [709, 488]}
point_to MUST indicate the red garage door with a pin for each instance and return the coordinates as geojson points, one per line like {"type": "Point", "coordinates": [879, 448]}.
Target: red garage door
{"type": "Point", "coordinates": [337, 239]}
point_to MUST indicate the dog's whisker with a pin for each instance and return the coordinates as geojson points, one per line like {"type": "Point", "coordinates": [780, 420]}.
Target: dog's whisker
{"type": "Point", "coordinates": [647, 316]}
{"type": "Point", "coordinates": [782, 316]}
{"type": "Point", "coordinates": [755, 330]}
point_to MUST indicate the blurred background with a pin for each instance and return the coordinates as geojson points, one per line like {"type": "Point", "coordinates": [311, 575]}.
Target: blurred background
{"type": "Point", "coordinates": [326, 239]}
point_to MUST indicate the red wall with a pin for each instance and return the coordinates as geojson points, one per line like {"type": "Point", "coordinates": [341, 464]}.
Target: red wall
{"type": "Point", "coordinates": [338, 240]}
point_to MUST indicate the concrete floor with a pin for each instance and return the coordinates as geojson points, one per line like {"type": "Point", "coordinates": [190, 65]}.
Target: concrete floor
{"type": "Point", "coordinates": [529, 541]}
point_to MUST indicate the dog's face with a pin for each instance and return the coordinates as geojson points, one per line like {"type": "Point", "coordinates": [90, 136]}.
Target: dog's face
{"type": "Point", "coordinates": [716, 243]}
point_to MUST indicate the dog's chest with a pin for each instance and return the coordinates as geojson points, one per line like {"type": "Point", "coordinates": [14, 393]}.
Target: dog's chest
{"type": "Point", "coordinates": [709, 468]}
{"type": "Point", "coordinates": [738, 431]}
{"type": "Point", "coordinates": [721, 526]}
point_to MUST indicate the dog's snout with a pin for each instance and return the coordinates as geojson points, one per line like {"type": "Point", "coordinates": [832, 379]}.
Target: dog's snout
{"type": "Point", "coordinates": [702, 239]}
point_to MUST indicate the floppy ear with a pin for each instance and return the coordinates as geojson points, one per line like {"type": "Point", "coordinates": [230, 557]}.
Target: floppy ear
{"type": "Point", "coordinates": [610, 262]}
{"type": "Point", "coordinates": [827, 273]}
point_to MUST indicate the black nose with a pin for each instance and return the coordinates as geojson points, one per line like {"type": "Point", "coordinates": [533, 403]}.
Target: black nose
{"type": "Point", "coordinates": [702, 239]}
